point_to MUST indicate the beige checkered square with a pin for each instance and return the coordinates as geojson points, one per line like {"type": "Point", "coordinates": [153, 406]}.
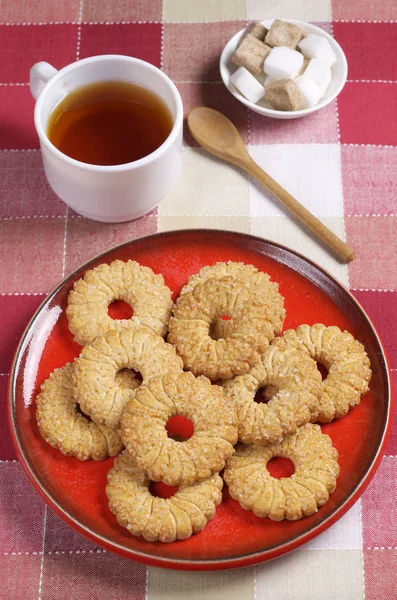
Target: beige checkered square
{"type": "Point", "coordinates": [303, 10]}
{"type": "Point", "coordinates": [205, 10]}
{"type": "Point", "coordinates": [207, 187]}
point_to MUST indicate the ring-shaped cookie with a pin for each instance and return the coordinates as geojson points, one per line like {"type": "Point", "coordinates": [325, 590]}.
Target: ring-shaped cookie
{"type": "Point", "coordinates": [179, 462]}
{"type": "Point", "coordinates": [255, 319]}
{"type": "Point", "coordinates": [65, 428]}
{"type": "Point", "coordinates": [145, 292]}
{"type": "Point", "coordinates": [160, 519]}
{"type": "Point", "coordinates": [221, 328]}
{"type": "Point", "coordinates": [298, 382]}
{"type": "Point", "coordinates": [348, 365]}
{"type": "Point", "coordinates": [294, 497]}
{"type": "Point", "coordinates": [95, 373]}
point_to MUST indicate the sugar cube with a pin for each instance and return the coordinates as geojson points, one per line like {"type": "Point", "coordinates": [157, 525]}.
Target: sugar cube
{"type": "Point", "coordinates": [316, 46]}
{"type": "Point", "coordinates": [309, 90]}
{"type": "Point", "coordinates": [319, 72]}
{"type": "Point", "coordinates": [247, 85]}
{"type": "Point", "coordinates": [251, 54]}
{"type": "Point", "coordinates": [282, 33]}
{"type": "Point", "coordinates": [283, 63]}
{"type": "Point", "coordinates": [257, 30]}
{"type": "Point", "coordinates": [284, 94]}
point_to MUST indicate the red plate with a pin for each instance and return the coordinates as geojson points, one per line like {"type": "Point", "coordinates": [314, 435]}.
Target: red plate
{"type": "Point", "coordinates": [235, 537]}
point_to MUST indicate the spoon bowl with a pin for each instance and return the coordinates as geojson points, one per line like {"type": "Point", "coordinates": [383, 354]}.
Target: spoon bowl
{"type": "Point", "coordinates": [217, 134]}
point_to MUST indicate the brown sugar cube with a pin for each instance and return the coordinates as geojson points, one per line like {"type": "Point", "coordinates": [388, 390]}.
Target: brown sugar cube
{"type": "Point", "coordinates": [284, 94]}
{"type": "Point", "coordinates": [257, 30]}
{"type": "Point", "coordinates": [282, 33]}
{"type": "Point", "coordinates": [251, 54]}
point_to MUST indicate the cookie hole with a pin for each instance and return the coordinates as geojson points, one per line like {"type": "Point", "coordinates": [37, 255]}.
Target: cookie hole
{"type": "Point", "coordinates": [161, 490]}
{"type": "Point", "coordinates": [264, 394]}
{"type": "Point", "coordinates": [323, 370]}
{"type": "Point", "coordinates": [128, 379]}
{"type": "Point", "coordinates": [218, 330]}
{"type": "Point", "coordinates": [280, 467]}
{"type": "Point", "coordinates": [179, 428]}
{"type": "Point", "coordinates": [119, 310]}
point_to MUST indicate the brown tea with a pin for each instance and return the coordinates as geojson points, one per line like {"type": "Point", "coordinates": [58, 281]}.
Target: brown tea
{"type": "Point", "coordinates": [109, 123]}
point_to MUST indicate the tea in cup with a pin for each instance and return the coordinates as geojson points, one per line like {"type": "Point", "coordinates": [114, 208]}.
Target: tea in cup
{"type": "Point", "coordinates": [110, 130]}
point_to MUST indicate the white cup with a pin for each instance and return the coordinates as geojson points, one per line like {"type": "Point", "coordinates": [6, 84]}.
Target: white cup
{"type": "Point", "coordinates": [116, 193]}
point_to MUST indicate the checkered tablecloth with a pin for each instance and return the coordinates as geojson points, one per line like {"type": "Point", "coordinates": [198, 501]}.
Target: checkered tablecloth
{"type": "Point", "coordinates": [341, 162]}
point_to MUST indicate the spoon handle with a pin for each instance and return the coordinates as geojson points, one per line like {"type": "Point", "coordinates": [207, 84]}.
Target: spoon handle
{"type": "Point", "coordinates": [341, 249]}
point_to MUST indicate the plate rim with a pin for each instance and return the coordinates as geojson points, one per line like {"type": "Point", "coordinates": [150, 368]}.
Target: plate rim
{"type": "Point", "coordinates": [252, 558]}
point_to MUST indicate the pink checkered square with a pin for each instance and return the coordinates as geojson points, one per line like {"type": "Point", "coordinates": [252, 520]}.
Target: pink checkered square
{"type": "Point", "coordinates": [91, 576]}
{"type": "Point", "coordinates": [24, 45]}
{"type": "Point", "coordinates": [141, 40]}
{"type": "Point", "coordinates": [375, 242]}
{"type": "Point", "coordinates": [379, 507]}
{"type": "Point", "coordinates": [391, 448]}
{"type": "Point", "coordinates": [20, 576]}
{"type": "Point", "coordinates": [20, 11]}
{"type": "Point", "coordinates": [325, 25]}
{"type": "Point", "coordinates": [192, 50]}
{"type": "Point", "coordinates": [86, 239]}
{"type": "Point", "coordinates": [122, 10]}
{"type": "Point", "coordinates": [15, 314]}
{"type": "Point", "coordinates": [21, 512]}
{"type": "Point", "coordinates": [31, 254]}
{"type": "Point", "coordinates": [319, 128]}
{"type": "Point", "coordinates": [360, 119]}
{"type": "Point", "coordinates": [369, 180]}
{"type": "Point", "coordinates": [214, 95]}
{"type": "Point", "coordinates": [23, 187]}
{"type": "Point", "coordinates": [366, 10]}
{"type": "Point", "coordinates": [59, 537]}
{"type": "Point", "coordinates": [380, 568]}
{"type": "Point", "coordinates": [382, 310]}
{"type": "Point", "coordinates": [17, 129]}
{"type": "Point", "coordinates": [7, 451]}
{"type": "Point", "coordinates": [369, 49]}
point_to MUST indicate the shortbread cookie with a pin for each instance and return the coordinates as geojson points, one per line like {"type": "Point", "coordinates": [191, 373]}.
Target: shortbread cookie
{"type": "Point", "coordinates": [296, 385]}
{"type": "Point", "coordinates": [65, 428]}
{"type": "Point", "coordinates": [294, 497]}
{"type": "Point", "coordinates": [246, 274]}
{"type": "Point", "coordinates": [255, 318]}
{"type": "Point", "coordinates": [348, 365]}
{"type": "Point", "coordinates": [95, 375]}
{"type": "Point", "coordinates": [145, 292]}
{"type": "Point", "coordinates": [160, 519]}
{"type": "Point", "coordinates": [179, 462]}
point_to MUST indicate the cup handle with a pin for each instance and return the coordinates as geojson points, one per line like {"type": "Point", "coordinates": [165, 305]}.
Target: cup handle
{"type": "Point", "coordinates": [40, 73]}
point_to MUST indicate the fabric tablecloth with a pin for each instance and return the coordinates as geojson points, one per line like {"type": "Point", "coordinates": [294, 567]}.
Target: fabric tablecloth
{"type": "Point", "coordinates": [340, 162]}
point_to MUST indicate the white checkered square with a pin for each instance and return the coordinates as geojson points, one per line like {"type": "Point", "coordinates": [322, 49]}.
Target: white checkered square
{"type": "Point", "coordinates": [312, 574]}
{"type": "Point", "coordinates": [310, 172]}
{"type": "Point", "coordinates": [290, 233]}
{"type": "Point", "coordinates": [345, 534]}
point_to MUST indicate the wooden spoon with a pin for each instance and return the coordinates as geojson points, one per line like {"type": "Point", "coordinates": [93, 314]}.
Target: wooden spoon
{"type": "Point", "coordinates": [216, 134]}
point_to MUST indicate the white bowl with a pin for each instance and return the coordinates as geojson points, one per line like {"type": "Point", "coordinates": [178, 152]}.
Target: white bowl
{"type": "Point", "coordinates": [339, 74]}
